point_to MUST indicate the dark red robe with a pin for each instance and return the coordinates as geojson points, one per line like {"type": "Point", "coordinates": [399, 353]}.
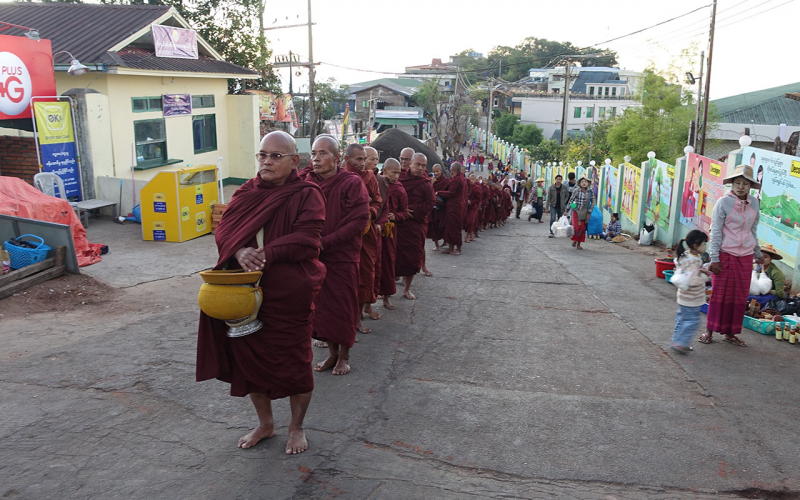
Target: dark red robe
{"type": "Point", "coordinates": [411, 233]}
{"type": "Point", "coordinates": [475, 198]}
{"type": "Point", "coordinates": [383, 217]}
{"type": "Point", "coordinates": [488, 207]}
{"type": "Point", "coordinates": [454, 209]}
{"type": "Point", "coordinates": [396, 203]}
{"type": "Point", "coordinates": [437, 217]}
{"type": "Point", "coordinates": [369, 240]}
{"type": "Point", "coordinates": [347, 215]}
{"type": "Point", "coordinates": [275, 360]}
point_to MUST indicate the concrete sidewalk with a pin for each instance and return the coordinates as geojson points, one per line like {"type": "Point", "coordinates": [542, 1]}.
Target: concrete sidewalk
{"type": "Point", "coordinates": [525, 369]}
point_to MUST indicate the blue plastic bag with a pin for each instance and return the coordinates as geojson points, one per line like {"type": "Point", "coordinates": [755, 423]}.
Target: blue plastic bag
{"type": "Point", "coordinates": [595, 226]}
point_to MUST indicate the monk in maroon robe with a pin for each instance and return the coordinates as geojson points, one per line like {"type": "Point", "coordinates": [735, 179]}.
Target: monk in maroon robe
{"type": "Point", "coordinates": [488, 208]}
{"type": "Point", "coordinates": [473, 205]}
{"type": "Point", "coordinates": [383, 186]}
{"type": "Point", "coordinates": [454, 209]}
{"type": "Point", "coordinates": [396, 208]}
{"type": "Point", "coordinates": [355, 161]}
{"type": "Point", "coordinates": [347, 213]}
{"type": "Point", "coordinates": [405, 158]}
{"type": "Point", "coordinates": [436, 222]}
{"type": "Point", "coordinates": [411, 233]}
{"type": "Point", "coordinates": [274, 362]}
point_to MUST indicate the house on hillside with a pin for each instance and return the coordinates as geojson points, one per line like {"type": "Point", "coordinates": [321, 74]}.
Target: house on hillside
{"type": "Point", "coordinates": [385, 94]}
{"type": "Point", "coordinates": [444, 73]}
{"type": "Point", "coordinates": [129, 90]}
{"type": "Point", "coordinates": [760, 112]}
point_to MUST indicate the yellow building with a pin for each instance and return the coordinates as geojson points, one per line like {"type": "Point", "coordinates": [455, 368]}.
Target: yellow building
{"type": "Point", "coordinates": [120, 102]}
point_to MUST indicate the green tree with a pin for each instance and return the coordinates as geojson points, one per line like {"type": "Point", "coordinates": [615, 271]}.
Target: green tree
{"type": "Point", "coordinates": [660, 124]}
{"type": "Point", "coordinates": [504, 126]}
{"type": "Point", "coordinates": [326, 94]}
{"type": "Point", "coordinates": [513, 63]}
{"type": "Point", "coordinates": [448, 115]}
{"type": "Point", "coordinates": [526, 135]}
{"type": "Point", "coordinates": [594, 146]}
{"type": "Point", "coordinates": [547, 150]}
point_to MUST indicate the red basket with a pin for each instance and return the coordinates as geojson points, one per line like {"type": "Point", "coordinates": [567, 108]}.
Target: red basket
{"type": "Point", "coordinates": [663, 265]}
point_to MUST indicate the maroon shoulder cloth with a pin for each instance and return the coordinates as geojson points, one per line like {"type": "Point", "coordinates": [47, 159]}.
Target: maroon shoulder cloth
{"type": "Point", "coordinates": [276, 360]}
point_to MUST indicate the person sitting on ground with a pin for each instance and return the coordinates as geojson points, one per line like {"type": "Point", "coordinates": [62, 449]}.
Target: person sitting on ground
{"type": "Point", "coordinates": [776, 275]}
{"type": "Point", "coordinates": [614, 228]}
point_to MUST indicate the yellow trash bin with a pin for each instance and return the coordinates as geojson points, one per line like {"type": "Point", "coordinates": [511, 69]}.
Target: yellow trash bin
{"type": "Point", "coordinates": [176, 204]}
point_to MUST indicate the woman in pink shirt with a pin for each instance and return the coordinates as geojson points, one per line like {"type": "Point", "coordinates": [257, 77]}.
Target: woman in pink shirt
{"type": "Point", "coordinates": [734, 247]}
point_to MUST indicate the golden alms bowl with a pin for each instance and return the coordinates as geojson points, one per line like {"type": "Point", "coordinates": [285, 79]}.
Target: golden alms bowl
{"type": "Point", "coordinates": [233, 297]}
{"type": "Point", "coordinates": [230, 277]}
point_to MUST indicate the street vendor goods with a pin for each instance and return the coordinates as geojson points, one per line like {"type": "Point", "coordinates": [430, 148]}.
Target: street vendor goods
{"type": "Point", "coordinates": [234, 297]}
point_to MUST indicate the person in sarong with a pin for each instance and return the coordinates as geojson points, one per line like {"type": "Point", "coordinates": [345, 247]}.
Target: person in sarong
{"type": "Point", "coordinates": [583, 199]}
{"type": "Point", "coordinates": [274, 362]}
{"type": "Point", "coordinates": [733, 249]}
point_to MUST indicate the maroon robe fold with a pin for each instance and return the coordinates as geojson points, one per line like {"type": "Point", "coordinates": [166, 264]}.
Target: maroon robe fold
{"type": "Point", "coordinates": [436, 221]}
{"type": "Point", "coordinates": [454, 209]}
{"type": "Point", "coordinates": [347, 214]}
{"type": "Point", "coordinates": [396, 203]}
{"type": "Point", "coordinates": [276, 360]}
{"type": "Point", "coordinates": [475, 197]}
{"type": "Point", "coordinates": [411, 233]}
{"type": "Point", "coordinates": [369, 240]}
{"type": "Point", "coordinates": [487, 204]}
{"type": "Point", "coordinates": [383, 217]}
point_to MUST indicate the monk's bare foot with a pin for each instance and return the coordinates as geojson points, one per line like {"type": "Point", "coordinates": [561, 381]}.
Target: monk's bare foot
{"type": "Point", "coordinates": [329, 363]}
{"type": "Point", "coordinates": [426, 271]}
{"type": "Point", "coordinates": [456, 252]}
{"type": "Point", "coordinates": [410, 296]}
{"type": "Point", "coordinates": [261, 432]}
{"type": "Point", "coordinates": [447, 251]}
{"type": "Point", "coordinates": [362, 328]}
{"type": "Point", "coordinates": [319, 343]}
{"type": "Point", "coordinates": [387, 303]}
{"type": "Point", "coordinates": [297, 443]}
{"type": "Point", "coordinates": [372, 314]}
{"type": "Point", "coordinates": [342, 367]}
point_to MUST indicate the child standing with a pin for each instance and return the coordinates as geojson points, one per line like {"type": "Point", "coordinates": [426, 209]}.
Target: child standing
{"type": "Point", "coordinates": [688, 262]}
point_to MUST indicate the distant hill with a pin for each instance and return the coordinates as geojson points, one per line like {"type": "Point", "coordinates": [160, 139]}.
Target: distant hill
{"type": "Point", "coordinates": [781, 206]}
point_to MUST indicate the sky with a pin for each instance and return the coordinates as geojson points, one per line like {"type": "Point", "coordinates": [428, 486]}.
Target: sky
{"type": "Point", "coordinates": [754, 47]}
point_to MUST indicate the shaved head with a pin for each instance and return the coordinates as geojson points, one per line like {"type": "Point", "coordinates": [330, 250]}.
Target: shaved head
{"type": "Point", "coordinates": [419, 164]}
{"type": "Point", "coordinates": [414, 158]}
{"type": "Point", "coordinates": [370, 151]}
{"type": "Point", "coordinates": [352, 148]}
{"type": "Point", "coordinates": [371, 162]}
{"type": "Point", "coordinates": [282, 138]}
{"type": "Point", "coordinates": [327, 142]}
{"type": "Point", "coordinates": [405, 157]}
{"type": "Point", "coordinates": [390, 164]}
{"type": "Point", "coordinates": [455, 168]}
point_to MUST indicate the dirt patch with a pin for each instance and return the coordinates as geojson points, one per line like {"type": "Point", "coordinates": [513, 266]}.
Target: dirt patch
{"type": "Point", "coordinates": [65, 293]}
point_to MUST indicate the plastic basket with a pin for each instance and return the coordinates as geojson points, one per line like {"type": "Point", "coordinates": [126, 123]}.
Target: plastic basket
{"type": "Point", "coordinates": [668, 275]}
{"type": "Point", "coordinates": [21, 256]}
{"type": "Point", "coordinates": [763, 327]}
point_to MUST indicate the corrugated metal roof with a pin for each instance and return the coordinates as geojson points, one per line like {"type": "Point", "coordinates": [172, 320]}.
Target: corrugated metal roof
{"type": "Point", "coordinates": [745, 100]}
{"type": "Point", "coordinates": [770, 112]}
{"type": "Point", "coordinates": [85, 30]}
{"type": "Point", "coordinates": [88, 31]}
{"type": "Point", "coordinates": [143, 59]}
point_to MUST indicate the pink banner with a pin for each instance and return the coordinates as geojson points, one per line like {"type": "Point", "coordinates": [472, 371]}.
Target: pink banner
{"type": "Point", "coordinates": [175, 42]}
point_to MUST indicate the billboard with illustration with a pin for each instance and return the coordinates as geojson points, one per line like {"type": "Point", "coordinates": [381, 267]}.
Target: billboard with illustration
{"type": "Point", "coordinates": [779, 224]}
{"type": "Point", "coordinates": [659, 193]}
{"type": "Point", "coordinates": [702, 187]}
{"type": "Point", "coordinates": [630, 191]}
{"type": "Point", "coordinates": [594, 175]}
{"type": "Point", "coordinates": [608, 191]}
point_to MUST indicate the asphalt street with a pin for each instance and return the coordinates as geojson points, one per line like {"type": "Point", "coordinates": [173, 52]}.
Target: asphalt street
{"type": "Point", "coordinates": [524, 369]}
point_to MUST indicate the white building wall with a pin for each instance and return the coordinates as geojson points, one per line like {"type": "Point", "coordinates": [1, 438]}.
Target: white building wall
{"type": "Point", "coordinates": [546, 113]}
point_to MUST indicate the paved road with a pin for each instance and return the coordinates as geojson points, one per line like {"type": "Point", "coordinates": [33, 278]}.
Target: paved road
{"type": "Point", "coordinates": [525, 369]}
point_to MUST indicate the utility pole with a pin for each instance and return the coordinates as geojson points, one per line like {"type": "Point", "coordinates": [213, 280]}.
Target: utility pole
{"type": "Point", "coordinates": [312, 132]}
{"type": "Point", "coordinates": [708, 76]}
{"type": "Point", "coordinates": [290, 73]}
{"type": "Point", "coordinates": [369, 118]}
{"type": "Point", "coordinates": [693, 142]}
{"type": "Point", "coordinates": [566, 103]}
{"type": "Point", "coordinates": [489, 114]}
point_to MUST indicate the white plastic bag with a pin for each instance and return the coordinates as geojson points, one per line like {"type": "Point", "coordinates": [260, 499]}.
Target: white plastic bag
{"type": "Point", "coordinates": [564, 221]}
{"type": "Point", "coordinates": [527, 210]}
{"type": "Point", "coordinates": [754, 283]}
{"type": "Point", "coordinates": [764, 284]}
{"type": "Point", "coordinates": [646, 236]}
{"type": "Point", "coordinates": [681, 279]}
{"type": "Point", "coordinates": [564, 231]}
{"type": "Point", "coordinates": [760, 284]}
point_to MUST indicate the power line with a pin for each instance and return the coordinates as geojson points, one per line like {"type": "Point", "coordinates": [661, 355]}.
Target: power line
{"type": "Point", "coordinates": [651, 27]}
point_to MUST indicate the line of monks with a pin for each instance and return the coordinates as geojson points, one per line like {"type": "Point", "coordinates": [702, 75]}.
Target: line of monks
{"type": "Point", "coordinates": [335, 239]}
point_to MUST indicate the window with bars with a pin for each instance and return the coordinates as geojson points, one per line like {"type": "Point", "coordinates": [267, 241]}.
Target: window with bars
{"type": "Point", "coordinates": [151, 142]}
{"type": "Point", "coordinates": [202, 101]}
{"type": "Point", "coordinates": [143, 104]}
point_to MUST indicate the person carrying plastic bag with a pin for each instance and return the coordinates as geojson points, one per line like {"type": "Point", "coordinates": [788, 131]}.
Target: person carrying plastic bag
{"type": "Point", "coordinates": [581, 205]}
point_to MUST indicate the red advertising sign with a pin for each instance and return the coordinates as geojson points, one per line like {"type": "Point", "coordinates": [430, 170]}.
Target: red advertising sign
{"type": "Point", "coordinates": [26, 70]}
